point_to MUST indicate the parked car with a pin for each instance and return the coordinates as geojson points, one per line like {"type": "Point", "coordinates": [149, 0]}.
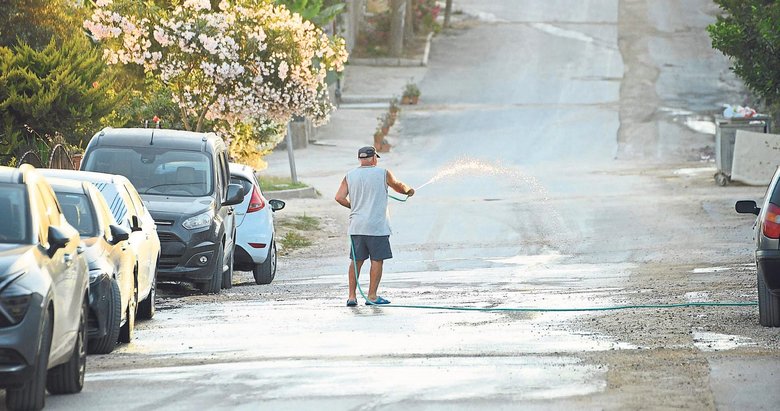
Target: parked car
{"type": "Point", "coordinates": [129, 211]}
{"type": "Point", "coordinates": [766, 233]}
{"type": "Point", "coordinates": [43, 293]}
{"type": "Point", "coordinates": [111, 263]}
{"type": "Point", "coordinates": [184, 179]}
{"type": "Point", "coordinates": [255, 243]}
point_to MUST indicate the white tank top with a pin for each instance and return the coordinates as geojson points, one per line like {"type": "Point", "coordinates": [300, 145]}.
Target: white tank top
{"type": "Point", "coordinates": [367, 188]}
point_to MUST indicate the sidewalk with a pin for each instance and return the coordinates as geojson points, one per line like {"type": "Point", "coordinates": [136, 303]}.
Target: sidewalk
{"type": "Point", "coordinates": [366, 94]}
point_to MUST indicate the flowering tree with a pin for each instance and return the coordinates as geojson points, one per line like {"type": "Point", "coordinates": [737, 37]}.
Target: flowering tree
{"type": "Point", "coordinates": [233, 67]}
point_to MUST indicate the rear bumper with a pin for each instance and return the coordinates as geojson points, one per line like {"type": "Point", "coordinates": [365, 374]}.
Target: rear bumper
{"type": "Point", "coordinates": [99, 299]}
{"type": "Point", "coordinates": [19, 346]}
{"type": "Point", "coordinates": [768, 262]}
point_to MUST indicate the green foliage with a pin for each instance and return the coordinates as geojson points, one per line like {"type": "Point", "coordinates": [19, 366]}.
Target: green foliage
{"type": "Point", "coordinates": [319, 12]}
{"type": "Point", "coordinates": [293, 240]}
{"type": "Point", "coordinates": [271, 183]}
{"type": "Point", "coordinates": [302, 223]}
{"type": "Point", "coordinates": [145, 99]}
{"type": "Point", "coordinates": [36, 22]}
{"type": "Point", "coordinates": [58, 89]}
{"type": "Point", "coordinates": [749, 34]}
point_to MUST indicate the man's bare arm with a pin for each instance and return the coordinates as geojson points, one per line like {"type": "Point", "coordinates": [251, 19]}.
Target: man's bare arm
{"type": "Point", "coordinates": [398, 186]}
{"type": "Point", "coordinates": [341, 195]}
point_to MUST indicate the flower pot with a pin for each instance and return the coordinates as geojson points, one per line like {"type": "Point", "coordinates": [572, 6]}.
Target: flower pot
{"type": "Point", "coordinates": [383, 146]}
{"type": "Point", "coordinates": [415, 99]}
{"type": "Point", "coordinates": [406, 100]}
{"type": "Point", "coordinates": [378, 139]}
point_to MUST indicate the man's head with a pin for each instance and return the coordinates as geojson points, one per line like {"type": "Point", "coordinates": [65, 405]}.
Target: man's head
{"type": "Point", "coordinates": [367, 156]}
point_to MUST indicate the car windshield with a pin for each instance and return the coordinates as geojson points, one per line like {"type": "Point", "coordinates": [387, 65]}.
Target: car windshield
{"type": "Point", "coordinates": [14, 215]}
{"type": "Point", "coordinates": [157, 171]}
{"type": "Point", "coordinates": [79, 213]}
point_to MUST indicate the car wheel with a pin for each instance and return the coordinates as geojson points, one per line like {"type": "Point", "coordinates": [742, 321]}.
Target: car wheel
{"type": "Point", "coordinates": [32, 395]}
{"type": "Point", "coordinates": [146, 308]}
{"type": "Point", "coordinates": [127, 330]}
{"type": "Point", "coordinates": [768, 304]}
{"type": "Point", "coordinates": [266, 271]}
{"type": "Point", "coordinates": [215, 284]}
{"type": "Point", "coordinates": [68, 378]}
{"type": "Point", "coordinates": [227, 276]}
{"type": "Point", "coordinates": [106, 343]}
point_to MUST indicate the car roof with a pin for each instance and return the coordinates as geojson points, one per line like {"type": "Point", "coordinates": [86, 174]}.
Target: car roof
{"type": "Point", "coordinates": [157, 137]}
{"type": "Point", "coordinates": [89, 176]}
{"type": "Point", "coordinates": [241, 169]}
{"type": "Point", "coordinates": [10, 175]}
{"type": "Point", "coordinates": [62, 185]}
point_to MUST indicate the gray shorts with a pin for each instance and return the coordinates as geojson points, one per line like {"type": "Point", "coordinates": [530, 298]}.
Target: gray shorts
{"type": "Point", "coordinates": [371, 246]}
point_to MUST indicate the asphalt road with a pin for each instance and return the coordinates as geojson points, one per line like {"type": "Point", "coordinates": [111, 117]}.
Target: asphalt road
{"type": "Point", "coordinates": [570, 176]}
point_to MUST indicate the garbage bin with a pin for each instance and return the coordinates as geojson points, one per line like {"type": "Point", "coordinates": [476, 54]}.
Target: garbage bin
{"type": "Point", "coordinates": [725, 136]}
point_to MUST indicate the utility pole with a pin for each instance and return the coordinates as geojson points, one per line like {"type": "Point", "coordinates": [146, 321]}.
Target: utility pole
{"type": "Point", "coordinates": [290, 155]}
{"type": "Point", "coordinates": [447, 13]}
{"type": "Point", "coordinates": [397, 19]}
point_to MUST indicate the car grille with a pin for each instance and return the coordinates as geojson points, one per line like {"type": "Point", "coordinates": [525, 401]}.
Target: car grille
{"type": "Point", "coordinates": [166, 236]}
{"type": "Point", "coordinates": [168, 262]}
{"type": "Point", "coordinates": [172, 248]}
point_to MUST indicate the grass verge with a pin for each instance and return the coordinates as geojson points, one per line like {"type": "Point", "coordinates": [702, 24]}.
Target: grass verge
{"type": "Point", "coordinates": [271, 183]}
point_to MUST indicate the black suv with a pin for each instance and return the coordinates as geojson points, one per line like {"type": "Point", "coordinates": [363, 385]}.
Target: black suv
{"type": "Point", "coordinates": [184, 179]}
{"type": "Point", "coordinates": [767, 236]}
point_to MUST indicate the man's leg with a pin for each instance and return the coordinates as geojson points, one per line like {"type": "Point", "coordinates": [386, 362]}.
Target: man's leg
{"type": "Point", "coordinates": [376, 277]}
{"type": "Point", "coordinates": [352, 281]}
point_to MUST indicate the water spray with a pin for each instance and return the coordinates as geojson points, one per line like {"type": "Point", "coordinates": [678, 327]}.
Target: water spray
{"type": "Point", "coordinates": [468, 166]}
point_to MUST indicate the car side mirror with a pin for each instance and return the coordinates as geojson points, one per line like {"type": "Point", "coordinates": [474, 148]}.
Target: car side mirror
{"type": "Point", "coordinates": [747, 207]}
{"type": "Point", "coordinates": [58, 238]}
{"type": "Point", "coordinates": [235, 194]}
{"type": "Point", "coordinates": [276, 205]}
{"type": "Point", "coordinates": [118, 234]}
{"type": "Point", "coordinates": [135, 224]}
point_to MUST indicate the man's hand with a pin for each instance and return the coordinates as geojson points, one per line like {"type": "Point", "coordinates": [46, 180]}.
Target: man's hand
{"type": "Point", "coordinates": [410, 192]}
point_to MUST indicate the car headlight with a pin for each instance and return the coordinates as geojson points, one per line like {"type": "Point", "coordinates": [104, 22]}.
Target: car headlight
{"type": "Point", "coordinates": [198, 221]}
{"type": "Point", "coordinates": [14, 301]}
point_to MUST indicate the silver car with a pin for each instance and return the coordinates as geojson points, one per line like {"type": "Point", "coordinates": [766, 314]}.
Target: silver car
{"type": "Point", "coordinates": [255, 245]}
{"type": "Point", "coordinates": [131, 213]}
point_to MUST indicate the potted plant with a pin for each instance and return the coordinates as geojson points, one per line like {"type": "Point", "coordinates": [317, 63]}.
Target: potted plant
{"type": "Point", "coordinates": [394, 108]}
{"type": "Point", "coordinates": [379, 136]}
{"type": "Point", "coordinates": [384, 123]}
{"type": "Point", "coordinates": [411, 94]}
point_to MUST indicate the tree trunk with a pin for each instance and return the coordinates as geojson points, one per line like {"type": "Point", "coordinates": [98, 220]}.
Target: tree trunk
{"type": "Point", "coordinates": [447, 13]}
{"type": "Point", "coordinates": [409, 23]}
{"type": "Point", "coordinates": [397, 17]}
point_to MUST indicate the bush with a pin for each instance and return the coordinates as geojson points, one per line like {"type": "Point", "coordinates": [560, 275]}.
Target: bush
{"type": "Point", "coordinates": [58, 89]}
{"type": "Point", "coordinates": [749, 35]}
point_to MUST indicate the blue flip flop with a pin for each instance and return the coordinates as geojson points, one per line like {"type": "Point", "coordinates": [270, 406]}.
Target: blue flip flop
{"type": "Point", "coordinates": [379, 300]}
{"type": "Point", "coordinates": [351, 303]}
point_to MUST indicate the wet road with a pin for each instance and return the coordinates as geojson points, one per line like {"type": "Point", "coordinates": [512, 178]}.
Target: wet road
{"type": "Point", "coordinates": [529, 103]}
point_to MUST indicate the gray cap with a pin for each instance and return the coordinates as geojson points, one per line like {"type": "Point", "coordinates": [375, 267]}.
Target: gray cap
{"type": "Point", "coordinates": [367, 152]}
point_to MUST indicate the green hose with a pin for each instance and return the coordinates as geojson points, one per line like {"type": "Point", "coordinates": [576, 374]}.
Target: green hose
{"type": "Point", "coordinates": [539, 309]}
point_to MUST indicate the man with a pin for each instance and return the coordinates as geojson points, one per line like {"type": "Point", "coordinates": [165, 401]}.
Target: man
{"type": "Point", "coordinates": [364, 192]}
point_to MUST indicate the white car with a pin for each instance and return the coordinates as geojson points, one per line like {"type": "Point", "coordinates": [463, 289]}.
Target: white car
{"type": "Point", "coordinates": [131, 213]}
{"type": "Point", "coordinates": [255, 246]}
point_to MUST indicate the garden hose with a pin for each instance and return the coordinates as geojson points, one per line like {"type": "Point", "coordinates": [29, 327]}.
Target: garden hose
{"type": "Point", "coordinates": [539, 309]}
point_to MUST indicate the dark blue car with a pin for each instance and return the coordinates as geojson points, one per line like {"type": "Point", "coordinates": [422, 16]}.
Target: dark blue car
{"type": "Point", "coordinates": [43, 293]}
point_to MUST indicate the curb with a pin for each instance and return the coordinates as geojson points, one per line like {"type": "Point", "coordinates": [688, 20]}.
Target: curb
{"type": "Point", "coordinates": [306, 192]}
